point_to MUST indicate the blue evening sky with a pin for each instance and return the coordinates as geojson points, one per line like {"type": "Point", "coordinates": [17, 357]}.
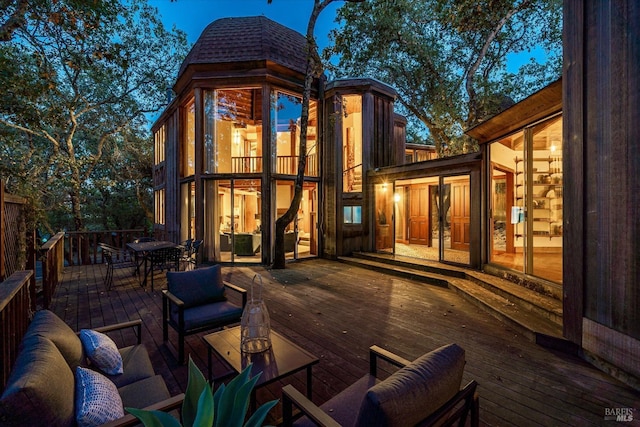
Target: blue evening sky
{"type": "Point", "coordinates": [192, 16]}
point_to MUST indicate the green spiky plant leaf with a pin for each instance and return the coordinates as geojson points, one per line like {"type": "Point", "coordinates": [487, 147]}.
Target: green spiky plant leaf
{"type": "Point", "coordinates": [202, 408]}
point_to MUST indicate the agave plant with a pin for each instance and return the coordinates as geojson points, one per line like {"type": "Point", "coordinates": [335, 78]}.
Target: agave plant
{"type": "Point", "coordinates": [202, 408]}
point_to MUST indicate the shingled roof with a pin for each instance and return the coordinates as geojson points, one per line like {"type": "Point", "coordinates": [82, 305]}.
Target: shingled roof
{"type": "Point", "coordinates": [253, 38]}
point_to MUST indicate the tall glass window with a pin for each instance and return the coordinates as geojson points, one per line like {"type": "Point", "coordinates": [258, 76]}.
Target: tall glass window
{"type": "Point", "coordinates": [233, 131]}
{"type": "Point", "coordinates": [286, 113]}
{"type": "Point", "coordinates": [159, 145]}
{"type": "Point", "coordinates": [352, 144]}
{"type": "Point", "coordinates": [188, 211]}
{"type": "Point", "coordinates": [189, 140]}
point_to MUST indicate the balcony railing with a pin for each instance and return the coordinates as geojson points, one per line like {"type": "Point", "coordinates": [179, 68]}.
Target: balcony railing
{"type": "Point", "coordinates": [52, 256]}
{"type": "Point", "coordinates": [81, 247]}
{"type": "Point", "coordinates": [286, 165]}
{"type": "Point", "coordinates": [16, 305]}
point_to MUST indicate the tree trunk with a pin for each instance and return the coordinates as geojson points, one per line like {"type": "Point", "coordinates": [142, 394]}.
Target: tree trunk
{"type": "Point", "coordinates": [313, 63]}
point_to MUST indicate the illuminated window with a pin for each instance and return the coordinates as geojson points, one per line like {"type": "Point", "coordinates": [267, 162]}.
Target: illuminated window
{"type": "Point", "coordinates": [286, 110]}
{"type": "Point", "coordinates": [233, 131]}
{"type": "Point", "coordinates": [352, 144]}
{"type": "Point", "coordinates": [189, 141]}
{"type": "Point", "coordinates": [159, 199]}
{"type": "Point", "coordinates": [159, 145]}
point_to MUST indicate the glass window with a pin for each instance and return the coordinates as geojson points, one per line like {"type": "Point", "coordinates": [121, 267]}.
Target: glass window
{"type": "Point", "coordinates": [353, 214]}
{"type": "Point", "coordinates": [188, 211]}
{"type": "Point", "coordinates": [233, 131]}
{"type": "Point", "coordinates": [159, 145]}
{"type": "Point", "coordinates": [287, 112]}
{"type": "Point", "coordinates": [352, 144]}
{"type": "Point", "coordinates": [159, 199]}
{"type": "Point", "coordinates": [189, 141]}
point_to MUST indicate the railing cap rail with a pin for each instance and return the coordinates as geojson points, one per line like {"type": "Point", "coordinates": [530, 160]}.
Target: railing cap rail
{"type": "Point", "coordinates": [12, 285]}
{"type": "Point", "coordinates": [52, 241]}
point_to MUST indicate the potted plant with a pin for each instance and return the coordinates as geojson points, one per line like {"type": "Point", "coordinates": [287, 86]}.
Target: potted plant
{"type": "Point", "coordinates": [202, 408]}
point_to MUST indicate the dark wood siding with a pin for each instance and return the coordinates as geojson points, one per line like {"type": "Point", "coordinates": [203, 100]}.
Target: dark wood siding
{"type": "Point", "coordinates": [602, 184]}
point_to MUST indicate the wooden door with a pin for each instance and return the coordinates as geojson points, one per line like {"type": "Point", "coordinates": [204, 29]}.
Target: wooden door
{"type": "Point", "coordinates": [419, 215]}
{"type": "Point", "coordinates": [460, 215]}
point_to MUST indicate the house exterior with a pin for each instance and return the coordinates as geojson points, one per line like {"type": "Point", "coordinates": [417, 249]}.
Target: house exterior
{"type": "Point", "coordinates": [226, 148]}
{"type": "Point", "coordinates": [226, 158]}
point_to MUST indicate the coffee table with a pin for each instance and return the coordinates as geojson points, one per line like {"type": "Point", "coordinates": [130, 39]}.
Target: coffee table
{"type": "Point", "coordinates": [282, 359]}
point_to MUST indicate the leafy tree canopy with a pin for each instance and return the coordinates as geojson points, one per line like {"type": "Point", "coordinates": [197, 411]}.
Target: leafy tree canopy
{"type": "Point", "coordinates": [78, 78]}
{"type": "Point", "coordinates": [448, 58]}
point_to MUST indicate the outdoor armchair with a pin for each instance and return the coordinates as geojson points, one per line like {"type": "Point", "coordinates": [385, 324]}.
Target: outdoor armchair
{"type": "Point", "coordinates": [423, 392]}
{"type": "Point", "coordinates": [115, 259]}
{"type": "Point", "coordinates": [164, 259]}
{"type": "Point", "coordinates": [196, 301]}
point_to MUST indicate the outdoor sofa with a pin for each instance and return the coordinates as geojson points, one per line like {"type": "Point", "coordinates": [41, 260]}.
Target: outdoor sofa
{"type": "Point", "coordinates": [44, 389]}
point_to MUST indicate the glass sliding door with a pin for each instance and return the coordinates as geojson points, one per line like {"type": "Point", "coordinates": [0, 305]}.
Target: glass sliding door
{"type": "Point", "coordinates": [233, 222]}
{"type": "Point", "coordinates": [526, 201]}
{"type": "Point", "coordinates": [301, 235]}
{"type": "Point", "coordinates": [545, 203]}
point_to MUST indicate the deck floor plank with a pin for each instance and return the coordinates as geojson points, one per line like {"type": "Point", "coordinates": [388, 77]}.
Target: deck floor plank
{"type": "Point", "coordinates": [337, 311]}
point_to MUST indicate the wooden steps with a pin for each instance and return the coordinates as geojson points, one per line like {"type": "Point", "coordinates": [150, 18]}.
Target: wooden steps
{"type": "Point", "coordinates": [536, 316]}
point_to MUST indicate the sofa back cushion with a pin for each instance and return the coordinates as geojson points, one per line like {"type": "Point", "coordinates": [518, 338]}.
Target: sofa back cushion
{"type": "Point", "coordinates": [46, 324]}
{"type": "Point", "coordinates": [416, 391]}
{"type": "Point", "coordinates": [40, 389]}
{"type": "Point", "coordinates": [197, 287]}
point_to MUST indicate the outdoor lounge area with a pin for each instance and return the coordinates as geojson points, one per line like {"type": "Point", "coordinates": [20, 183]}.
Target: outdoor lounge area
{"type": "Point", "coordinates": [318, 305]}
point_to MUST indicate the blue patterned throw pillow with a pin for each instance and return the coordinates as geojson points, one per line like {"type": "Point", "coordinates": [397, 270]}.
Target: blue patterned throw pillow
{"type": "Point", "coordinates": [97, 399]}
{"type": "Point", "coordinates": [101, 351]}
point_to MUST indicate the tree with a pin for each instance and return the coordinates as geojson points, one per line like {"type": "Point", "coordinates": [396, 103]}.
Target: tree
{"type": "Point", "coordinates": [447, 58]}
{"type": "Point", "coordinates": [313, 69]}
{"type": "Point", "coordinates": [77, 83]}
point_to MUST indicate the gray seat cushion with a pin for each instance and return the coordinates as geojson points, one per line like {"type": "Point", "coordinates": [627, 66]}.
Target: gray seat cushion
{"type": "Point", "coordinates": [222, 312]}
{"type": "Point", "coordinates": [144, 392]}
{"type": "Point", "coordinates": [344, 406]}
{"type": "Point", "coordinates": [136, 366]}
{"type": "Point", "coordinates": [47, 324]}
{"type": "Point", "coordinates": [416, 391]}
{"type": "Point", "coordinates": [40, 390]}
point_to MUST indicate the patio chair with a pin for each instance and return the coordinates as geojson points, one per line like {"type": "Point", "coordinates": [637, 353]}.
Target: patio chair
{"type": "Point", "coordinates": [190, 255]}
{"type": "Point", "coordinates": [115, 259]}
{"type": "Point", "coordinates": [195, 301]}
{"type": "Point", "coordinates": [423, 392]}
{"type": "Point", "coordinates": [164, 259]}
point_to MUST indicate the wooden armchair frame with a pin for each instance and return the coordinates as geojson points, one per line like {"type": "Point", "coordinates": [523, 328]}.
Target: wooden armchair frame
{"type": "Point", "coordinates": [169, 404]}
{"type": "Point", "coordinates": [465, 403]}
{"type": "Point", "coordinates": [169, 299]}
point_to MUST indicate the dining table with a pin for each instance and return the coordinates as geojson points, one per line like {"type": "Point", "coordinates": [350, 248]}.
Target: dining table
{"type": "Point", "coordinates": [142, 250]}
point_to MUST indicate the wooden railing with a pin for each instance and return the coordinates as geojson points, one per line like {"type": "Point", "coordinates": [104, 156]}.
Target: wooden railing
{"type": "Point", "coordinates": [289, 165]}
{"type": "Point", "coordinates": [247, 164]}
{"type": "Point", "coordinates": [17, 295]}
{"type": "Point", "coordinates": [81, 247]}
{"type": "Point", "coordinates": [52, 256]}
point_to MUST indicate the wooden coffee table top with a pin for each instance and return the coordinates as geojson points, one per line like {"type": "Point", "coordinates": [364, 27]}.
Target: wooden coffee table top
{"type": "Point", "coordinates": [282, 359]}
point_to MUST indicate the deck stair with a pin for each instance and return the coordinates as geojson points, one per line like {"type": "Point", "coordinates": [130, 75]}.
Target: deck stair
{"type": "Point", "coordinates": [536, 316]}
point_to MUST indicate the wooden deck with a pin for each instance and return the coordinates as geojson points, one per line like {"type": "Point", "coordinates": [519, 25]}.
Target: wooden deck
{"type": "Point", "coordinates": [337, 311]}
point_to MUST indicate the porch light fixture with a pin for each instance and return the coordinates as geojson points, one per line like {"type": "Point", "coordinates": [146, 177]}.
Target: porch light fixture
{"type": "Point", "coordinates": [396, 197]}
